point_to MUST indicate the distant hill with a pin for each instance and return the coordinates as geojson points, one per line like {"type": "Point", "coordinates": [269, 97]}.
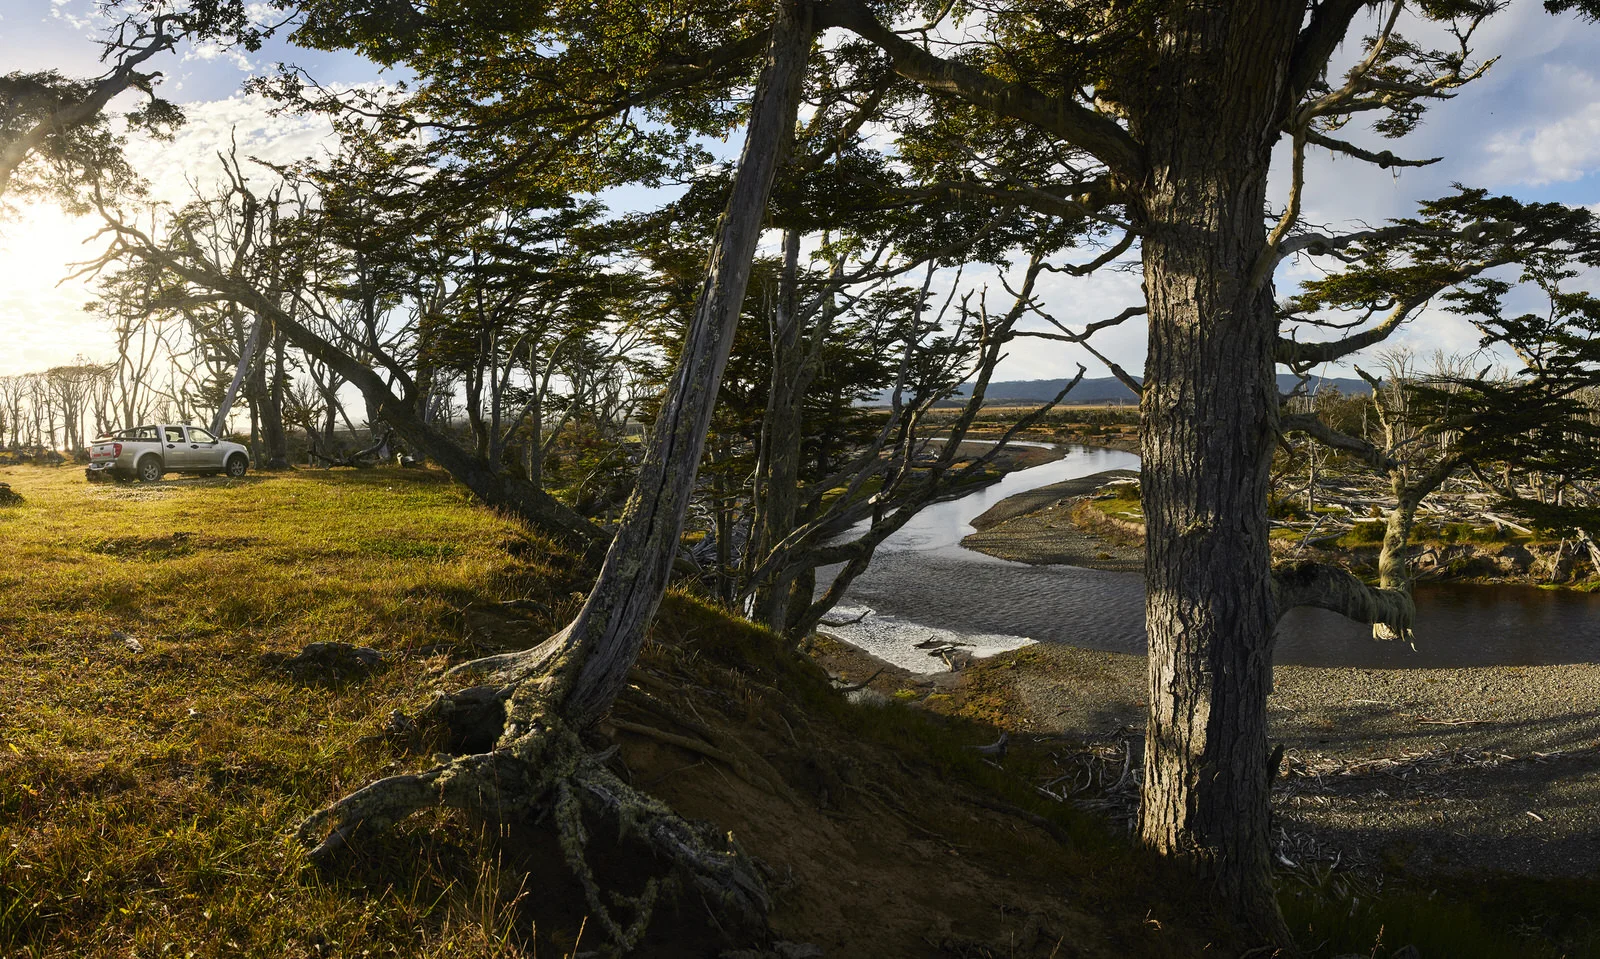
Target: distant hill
{"type": "Point", "coordinates": [1109, 390]}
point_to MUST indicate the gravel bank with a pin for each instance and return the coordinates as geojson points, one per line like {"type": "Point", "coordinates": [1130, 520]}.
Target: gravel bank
{"type": "Point", "coordinates": [1035, 527]}
{"type": "Point", "coordinates": [1446, 770]}
{"type": "Point", "coordinates": [1434, 770]}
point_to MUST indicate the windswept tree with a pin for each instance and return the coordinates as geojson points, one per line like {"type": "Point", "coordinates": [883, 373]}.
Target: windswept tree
{"type": "Point", "coordinates": [1146, 125]}
{"type": "Point", "coordinates": [1161, 119]}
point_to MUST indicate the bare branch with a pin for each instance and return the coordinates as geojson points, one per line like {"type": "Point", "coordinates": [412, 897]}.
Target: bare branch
{"type": "Point", "coordinates": [1383, 158]}
{"type": "Point", "coordinates": [1311, 425]}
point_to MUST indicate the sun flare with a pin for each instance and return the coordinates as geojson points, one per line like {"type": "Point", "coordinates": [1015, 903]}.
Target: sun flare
{"type": "Point", "coordinates": [42, 320]}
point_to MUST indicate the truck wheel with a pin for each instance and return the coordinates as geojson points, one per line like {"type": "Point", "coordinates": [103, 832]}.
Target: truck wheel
{"type": "Point", "coordinates": [150, 469]}
{"type": "Point", "coordinates": [237, 465]}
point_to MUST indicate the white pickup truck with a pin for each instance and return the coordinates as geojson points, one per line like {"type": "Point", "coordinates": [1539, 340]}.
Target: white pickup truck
{"type": "Point", "coordinates": [148, 452]}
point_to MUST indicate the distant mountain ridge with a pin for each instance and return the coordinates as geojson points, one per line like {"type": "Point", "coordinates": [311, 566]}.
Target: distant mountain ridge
{"type": "Point", "coordinates": [1109, 390]}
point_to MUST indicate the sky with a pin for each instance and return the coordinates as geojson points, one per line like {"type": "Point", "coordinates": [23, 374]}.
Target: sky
{"type": "Point", "coordinates": [1530, 128]}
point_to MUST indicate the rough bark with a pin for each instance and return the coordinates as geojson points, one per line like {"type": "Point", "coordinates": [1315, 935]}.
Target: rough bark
{"type": "Point", "coordinates": [1394, 568]}
{"type": "Point", "coordinates": [1331, 588]}
{"type": "Point", "coordinates": [612, 623]}
{"type": "Point", "coordinates": [1210, 410]}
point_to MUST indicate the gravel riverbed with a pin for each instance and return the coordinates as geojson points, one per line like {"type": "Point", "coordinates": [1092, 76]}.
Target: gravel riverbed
{"type": "Point", "coordinates": [1433, 770]}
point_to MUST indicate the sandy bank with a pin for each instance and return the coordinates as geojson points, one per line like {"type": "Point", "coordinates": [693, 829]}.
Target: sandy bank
{"type": "Point", "coordinates": [1038, 527]}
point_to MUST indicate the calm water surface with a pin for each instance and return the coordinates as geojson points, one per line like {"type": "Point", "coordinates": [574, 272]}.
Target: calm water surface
{"type": "Point", "coordinates": [923, 586]}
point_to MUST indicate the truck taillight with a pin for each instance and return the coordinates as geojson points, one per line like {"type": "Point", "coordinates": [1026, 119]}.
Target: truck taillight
{"type": "Point", "coordinates": [116, 449]}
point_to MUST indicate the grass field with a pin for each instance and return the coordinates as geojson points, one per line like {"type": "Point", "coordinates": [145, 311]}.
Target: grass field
{"type": "Point", "coordinates": [145, 796]}
{"type": "Point", "coordinates": [153, 762]}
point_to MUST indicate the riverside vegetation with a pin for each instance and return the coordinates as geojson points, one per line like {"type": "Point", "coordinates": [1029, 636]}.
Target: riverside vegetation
{"type": "Point", "coordinates": [156, 758]}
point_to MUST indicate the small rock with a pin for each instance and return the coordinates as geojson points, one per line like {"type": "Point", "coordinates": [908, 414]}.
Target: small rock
{"type": "Point", "coordinates": [132, 643]}
{"type": "Point", "coordinates": [1515, 558]}
{"type": "Point", "coordinates": [866, 697]}
{"type": "Point", "coordinates": [328, 661]}
{"type": "Point", "coordinates": [9, 496]}
{"type": "Point", "coordinates": [399, 724]}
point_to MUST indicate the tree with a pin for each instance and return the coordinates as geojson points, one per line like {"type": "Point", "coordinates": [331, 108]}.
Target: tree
{"type": "Point", "coordinates": [1165, 114]}
{"type": "Point", "coordinates": [560, 687]}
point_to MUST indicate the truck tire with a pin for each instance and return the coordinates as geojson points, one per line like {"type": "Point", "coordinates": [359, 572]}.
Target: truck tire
{"type": "Point", "coordinates": [149, 468]}
{"type": "Point", "coordinates": [237, 465]}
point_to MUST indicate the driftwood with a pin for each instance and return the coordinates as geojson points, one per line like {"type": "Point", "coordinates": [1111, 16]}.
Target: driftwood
{"type": "Point", "coordinates": [357, 459]}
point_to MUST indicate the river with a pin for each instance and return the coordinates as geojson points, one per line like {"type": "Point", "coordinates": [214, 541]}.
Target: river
{"type": "Point", "coordinates": [922, 585]}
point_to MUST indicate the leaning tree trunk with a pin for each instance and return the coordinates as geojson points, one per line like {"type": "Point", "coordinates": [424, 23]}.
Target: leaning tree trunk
{"type": "Point", "coordinates": [1394, 566]}
{"type": "Point", "coordinates": [1209, 415]}
{"type": "Point", "coordinates": [611, 625]}
{"type": "Point", "coordinates": [546, 696]}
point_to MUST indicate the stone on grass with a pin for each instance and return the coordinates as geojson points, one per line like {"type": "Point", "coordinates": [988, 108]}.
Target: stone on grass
{"type": "Point", "coordinates": [328, 661]}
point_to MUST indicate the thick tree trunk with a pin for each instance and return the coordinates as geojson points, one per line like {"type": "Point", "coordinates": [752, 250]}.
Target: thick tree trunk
{"type": "Point", "coordinates": [1210, 410]}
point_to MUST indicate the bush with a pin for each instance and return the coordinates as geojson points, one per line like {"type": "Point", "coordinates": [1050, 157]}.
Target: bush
{"type": "Point", "coordinates": [1364, 534]}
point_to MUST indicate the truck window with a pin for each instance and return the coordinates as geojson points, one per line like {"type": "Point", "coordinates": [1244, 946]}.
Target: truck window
{"type": "Point", "coordinates": [145, 433]}
{"type": "Point", "coordinates": [198, 435]}
{"type": "Point", "coordinates": [174, 434]}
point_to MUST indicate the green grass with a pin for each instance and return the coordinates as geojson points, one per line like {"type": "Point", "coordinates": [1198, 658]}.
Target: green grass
{"type": "Point", "coordinates": [146, 797]}
{"type": "Point", "coordinates": [1119, 500]}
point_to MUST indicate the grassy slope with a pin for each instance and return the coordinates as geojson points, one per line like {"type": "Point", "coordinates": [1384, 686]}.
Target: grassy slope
{"type": "Point", "coordinates": [145, 796]}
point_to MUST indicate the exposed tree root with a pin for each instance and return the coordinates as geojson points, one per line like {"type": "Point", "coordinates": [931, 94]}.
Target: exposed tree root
{"type": "Point", "coordinates": [535, 766]}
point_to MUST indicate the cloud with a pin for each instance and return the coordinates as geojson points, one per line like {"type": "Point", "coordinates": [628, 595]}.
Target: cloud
{"type": "Point", "coordinates": [1561, 149]}
{"type": "Point", "coordinates": [191, 160]}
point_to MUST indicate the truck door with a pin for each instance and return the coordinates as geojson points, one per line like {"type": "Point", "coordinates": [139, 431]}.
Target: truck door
{"type": "Point", "coordinates": [175, 448]}
{"type": "Point", "coordinates": [205, 449]}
